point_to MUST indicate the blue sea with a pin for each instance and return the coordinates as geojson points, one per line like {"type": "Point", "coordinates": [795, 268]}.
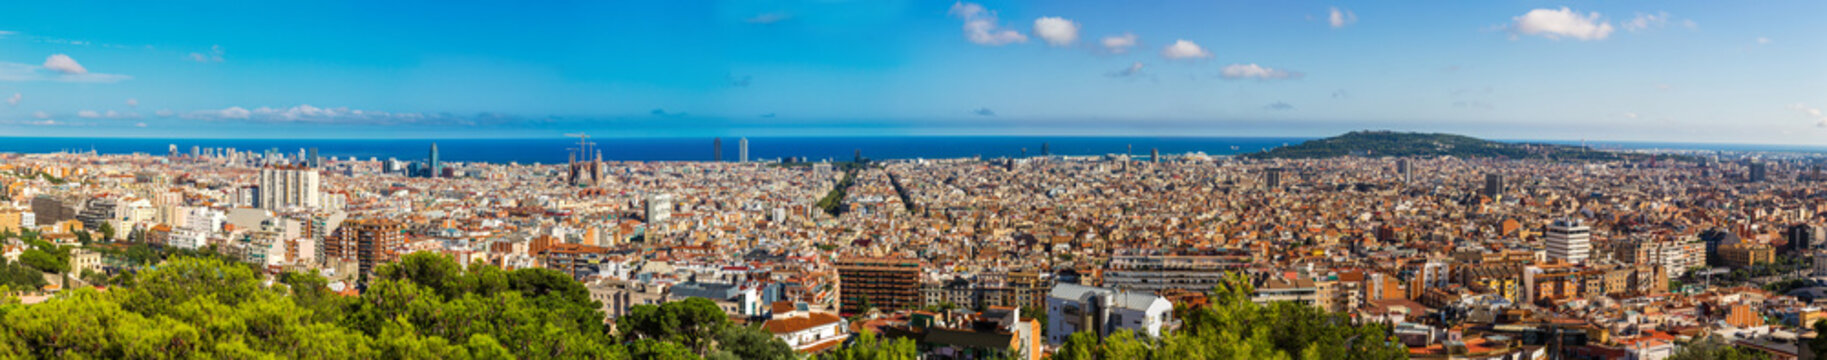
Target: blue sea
{"type": "Point", "coordinates": [555, 150]}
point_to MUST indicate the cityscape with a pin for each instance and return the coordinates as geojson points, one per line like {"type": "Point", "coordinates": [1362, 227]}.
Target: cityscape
{"type": "Point", "coordinates": [769, 206]}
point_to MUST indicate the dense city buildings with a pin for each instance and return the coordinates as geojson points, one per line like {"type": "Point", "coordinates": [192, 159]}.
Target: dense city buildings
{"type": "Point", "coordinates": [961, 253]}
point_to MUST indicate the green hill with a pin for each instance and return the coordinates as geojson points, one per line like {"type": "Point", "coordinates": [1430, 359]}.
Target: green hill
{"type": "Point", "coordinates": [1408, 144]}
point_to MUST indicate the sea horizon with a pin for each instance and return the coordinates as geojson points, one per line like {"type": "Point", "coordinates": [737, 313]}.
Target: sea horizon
{"type": "Point", "coordinates": [549, 150]}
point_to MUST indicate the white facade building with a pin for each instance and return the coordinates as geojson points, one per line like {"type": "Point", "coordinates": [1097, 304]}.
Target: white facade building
{"type": "Point", "coordinates": [289, 187]}
{"type": "Point", "coordinates": [199, 224]}
{"type": "Point", "coordinates": [1072, 308]}
{"type": "Point", "coordinates": [1569, 240]}
{"type": "Point", "coordinates": [659, 208]}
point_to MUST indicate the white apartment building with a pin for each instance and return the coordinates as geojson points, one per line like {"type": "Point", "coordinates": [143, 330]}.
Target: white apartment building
{"type": "Point", "coordinates": [1072, 308]}
{"type": "Point", "coordinates": [1569, 240]}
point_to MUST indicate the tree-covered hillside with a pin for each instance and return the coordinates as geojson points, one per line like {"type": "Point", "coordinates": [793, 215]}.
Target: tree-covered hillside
{"type": "Point", "coordinates": [1408, 144]}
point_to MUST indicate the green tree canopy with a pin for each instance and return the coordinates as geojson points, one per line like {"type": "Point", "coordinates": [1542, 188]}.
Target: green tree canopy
{"type": "Point", "coordinates": [1234, 327]}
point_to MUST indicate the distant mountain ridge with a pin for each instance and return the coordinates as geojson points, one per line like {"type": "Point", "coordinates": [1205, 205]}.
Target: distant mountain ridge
{"type": "Point", "coordinates": [1414, 144]}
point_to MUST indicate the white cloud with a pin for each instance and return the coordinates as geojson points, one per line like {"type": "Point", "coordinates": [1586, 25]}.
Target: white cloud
{"type": "Point", "coordinates": [110, 114]}
{"type": "Point", "coordinates": [214, 55]}
{"type": "Point", "coordinates": [1182, 49]}
{"type": "Point", "coordinates": [980, 26]}
{"type": "Point", "coordinates": [1645, 21]}
{"type": "Point", "coordinates": [41, 114]}
{"type": "Point", "coordinates": [164, 113]}
{"type": "Point", "coordinates": [1763, 40]}
{"type": "Point", "coordinates": [56, 69]}
{"type": "Point", "coordinates": [133, 102]}
{"type": "Point", "coordinates": [4, 33]}
{"type": "Point", "coordinates": [307, 114]}
{"type": "Point", "coordinates": [64, 64]}
{"type": "Point", "coordinates": [1117, 44]}
{"type": "Point", "coordinates": [1654, 21]}
{"type": "Point", "coordinates": [1812, 113]}
{"type": "Point", "coordinates": [235, 112]}
{"type": "Point", "coordinates": [1555, 24]}
{"type": "Point", "coordinates": [1056, 31]}
{"type": "Point", "coordinates": [1339, 18]}
{"type": "Point", "coordinates": [1245, 71]}
{"type": "Point", "coordinates": [141, 124]}
{"type": "Point", "coordinates": [14, 100]}
{"type": "Point", "coordinates": [1629, 115]}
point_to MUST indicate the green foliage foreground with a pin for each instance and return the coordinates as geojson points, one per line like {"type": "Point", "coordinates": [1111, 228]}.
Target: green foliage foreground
{"type": "Point", "coordinates": [427, 307]}
{"type": "Point", "coordinates": [206, 308]}
{"type": "Point", "coordinates": [1233, 327]}
{"type": "Point", "coordinates": [423, 307]}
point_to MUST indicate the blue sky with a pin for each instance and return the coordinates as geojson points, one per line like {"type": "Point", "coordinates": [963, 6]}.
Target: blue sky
{"type": "Point", "coordinates": [1692, 71]}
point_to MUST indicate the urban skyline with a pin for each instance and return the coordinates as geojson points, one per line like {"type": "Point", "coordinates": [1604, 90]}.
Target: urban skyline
{"type": "Point", "coordinates": [1674, 71]}
{"type": "Point", "coordinates": [897, 180]}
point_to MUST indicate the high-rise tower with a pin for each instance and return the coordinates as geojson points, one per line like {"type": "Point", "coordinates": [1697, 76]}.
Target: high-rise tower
{"type": "Point", "coordinates": [1493, 185]}
{"type": "Point", "coordinates": [742, 150]}
{"type": "Point", "coordinates": [436, 168]}
{"type": "Point", "coordinates": [1402, 169]}
{"type": "Point", "coordinates": [717, 149]}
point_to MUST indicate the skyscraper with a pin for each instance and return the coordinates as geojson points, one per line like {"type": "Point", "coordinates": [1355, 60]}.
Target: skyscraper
{"type": "Point", "coordinates": [717, 149]}
{"type": "Point", "coordinates": [742, 150]}
{"type": "Point", "coordinates": [312, 160]}
{"type": "Point", "coordinates": [1043, 150]}
{"type": "Point", "coordinates": [1760, 171]}
{"type": "Point", "coordinates": [1402, 169]}
{"type": "Point", "coordinates": [1804, 236]}
{"type": "Point", "coordinates": [436, 168]}
{"type": "Point", "coordinates": [289, 187]}
{"type": "Point", "coordinates": [1154, 154]}
{"type": "Point", "coordinates": [1569, 240]}
{"type": "Point", "coordinates": [1493, 185]}
{"type": "Point", "coordinates": [1272, 178]}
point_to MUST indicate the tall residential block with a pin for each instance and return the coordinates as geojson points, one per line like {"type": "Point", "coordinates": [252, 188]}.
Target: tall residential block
{"type": "Point", "coordinates": [882, 283]}
{"type": "Point", "coordinates": [289, 187]}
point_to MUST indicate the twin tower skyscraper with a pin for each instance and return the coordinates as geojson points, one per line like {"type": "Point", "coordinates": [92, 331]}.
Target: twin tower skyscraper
{"type": "Point", "coordinates": [742, 149]}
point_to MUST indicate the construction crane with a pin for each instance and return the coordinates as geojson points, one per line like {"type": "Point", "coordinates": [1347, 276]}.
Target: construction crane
{"type": "Point", "coordinates": [583, 145]}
